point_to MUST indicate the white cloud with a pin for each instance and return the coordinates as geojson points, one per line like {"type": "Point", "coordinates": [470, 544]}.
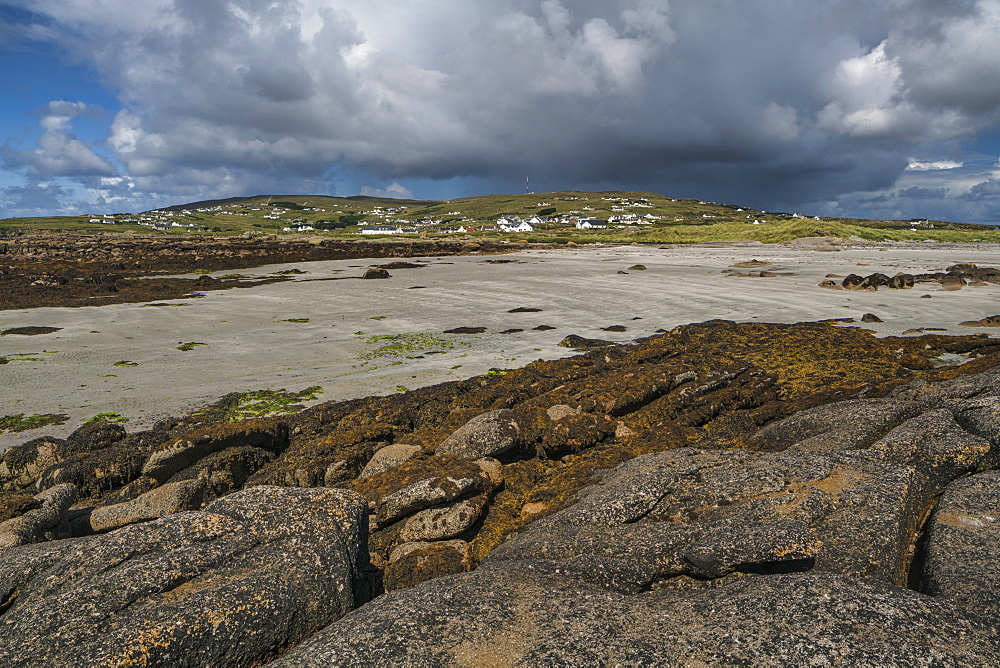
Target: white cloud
{"type": "Point", "coordinates": [760, 101]}
{"type": "Point", "coordinates": [58, 152]}
{"type": "Point", "coordinates": [393, 190]}
{"type": "Point", "coordinates": [928, 165]}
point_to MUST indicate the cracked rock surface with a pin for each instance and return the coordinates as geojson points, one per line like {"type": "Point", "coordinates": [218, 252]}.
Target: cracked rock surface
{"type": "Point", "coordinates": [724, 494]}
{"type": "Point", "coordinates": [804, 555]}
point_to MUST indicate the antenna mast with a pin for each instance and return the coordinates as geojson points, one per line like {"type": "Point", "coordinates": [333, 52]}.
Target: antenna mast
{"type": "Point", "coordinates": [525, 185]}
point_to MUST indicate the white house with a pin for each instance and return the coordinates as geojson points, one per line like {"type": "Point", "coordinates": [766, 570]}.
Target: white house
{"type": "Point", "coordinates": [590, 224]}
{"type": "Point", "coordinates": [512, 226]}
{"type": "Point", "coordinates": [381, 229]}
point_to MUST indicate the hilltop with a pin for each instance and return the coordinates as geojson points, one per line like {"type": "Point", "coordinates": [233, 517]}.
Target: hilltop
{"type": "Point", "coordinates": [619, 217]}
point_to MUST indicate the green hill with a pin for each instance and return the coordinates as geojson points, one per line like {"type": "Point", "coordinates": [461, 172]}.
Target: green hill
{"type": "Point", "coordinates": [634, 217]}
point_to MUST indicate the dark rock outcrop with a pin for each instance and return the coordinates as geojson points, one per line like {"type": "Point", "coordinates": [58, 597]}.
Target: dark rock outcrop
{"type": "Point", "coordinates": [376, 272]}
{"type": "Point", "coordinates": [578, 342]}
{"type": "Point", "coordinates": [175, 456]}
{"type": "Point", "coordinates": [232, 585]}
{"type": "Point", "coordinates": [901, 282]}
{"type": "Point", "coordinates": [29, 331]}
{"type": "Point", "coordinates": [465, 330]}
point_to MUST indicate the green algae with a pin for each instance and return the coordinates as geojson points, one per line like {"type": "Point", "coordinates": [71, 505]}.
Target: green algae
{"type": "Point", "coordinates": [395, 345]}
{"type": "Point", "coordinates": [240, 406]}
{"type": "Point", "coordinates": [21, 422]}
{"type": "Point", "coordinates": [107, 417]}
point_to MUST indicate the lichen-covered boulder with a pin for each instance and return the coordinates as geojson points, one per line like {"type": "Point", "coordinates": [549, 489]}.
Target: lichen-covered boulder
{"type": "Point", "coordinates": [234, 584]}
{"type": "Point", "coordinates": [496, 617]}
{"type": "Point", "coordinates": [444, 522]}
{"type": "Point", "coordinates": [689, 513]}
{"type": "Point", "coordinates": [425, 493]}
{"type": "Point", "coordinates": [388, 457]}
{"type": "Point", "coordinates": [844, 425]}
{"type": "Point", "coordinates": [164, 500]}
{"type": "Point", "coordinates": [486, 435]}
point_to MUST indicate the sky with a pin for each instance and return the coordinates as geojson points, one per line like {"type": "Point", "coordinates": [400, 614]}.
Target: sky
{"type": "Point", "coordinates": [859, 108]}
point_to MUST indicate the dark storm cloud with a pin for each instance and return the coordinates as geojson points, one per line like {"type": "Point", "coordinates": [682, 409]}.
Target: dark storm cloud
{"type": "Point", "coordinates": [774, 103]}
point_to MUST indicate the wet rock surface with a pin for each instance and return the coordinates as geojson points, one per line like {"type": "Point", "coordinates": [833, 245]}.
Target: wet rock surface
{"type": "Point", "coordinates": [678, 493]}
{"type": "Point", "coordinates": [953, 278]}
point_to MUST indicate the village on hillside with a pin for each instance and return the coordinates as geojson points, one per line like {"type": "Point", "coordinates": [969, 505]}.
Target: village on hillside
{"type": "Point", "coordinates": [560, 216]}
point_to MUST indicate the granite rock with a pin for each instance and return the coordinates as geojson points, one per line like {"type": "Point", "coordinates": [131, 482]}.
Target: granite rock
{"type": "Point", "coordinates": [164, 500]}
{"type": "Point", "coordinates": [845, 425]}
{"type": "Point", "coordinates": [486, 435]}
{"type": "Point", "coordinates": [388, 457]}
{"type": "Point", "coordinates": [501, 618]}
{"type": "Point", "coordinates": [963, 540]}
{"type": "Point", "coordinates": [232, 585]}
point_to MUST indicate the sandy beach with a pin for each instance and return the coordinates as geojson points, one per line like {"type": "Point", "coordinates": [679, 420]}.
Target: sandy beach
{"type": "Point", "coordinates": [368, 337]}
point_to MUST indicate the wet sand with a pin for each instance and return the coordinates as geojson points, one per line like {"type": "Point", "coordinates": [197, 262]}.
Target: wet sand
{"type": "Point", "coordinates": [250, 345]}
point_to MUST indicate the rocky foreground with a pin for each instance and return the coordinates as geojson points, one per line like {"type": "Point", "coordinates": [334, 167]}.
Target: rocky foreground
{"type": "Point", "coordinates": [723, 494]}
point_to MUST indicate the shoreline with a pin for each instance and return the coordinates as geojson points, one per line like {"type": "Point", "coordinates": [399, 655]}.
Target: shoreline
{"type": "Point", "coordinates": [253, 340]}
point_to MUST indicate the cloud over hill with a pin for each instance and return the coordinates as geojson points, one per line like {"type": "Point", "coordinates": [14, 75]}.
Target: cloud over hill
{"type": "Point", "coordinates": [769, 102]}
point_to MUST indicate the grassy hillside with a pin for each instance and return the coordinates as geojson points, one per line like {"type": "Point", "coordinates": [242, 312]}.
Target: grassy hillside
{"type": "Point", "coordinates": [645, 218]}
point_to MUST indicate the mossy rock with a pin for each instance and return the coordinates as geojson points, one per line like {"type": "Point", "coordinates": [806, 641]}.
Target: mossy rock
{"type": "Point", "coordinates": [426, 561]}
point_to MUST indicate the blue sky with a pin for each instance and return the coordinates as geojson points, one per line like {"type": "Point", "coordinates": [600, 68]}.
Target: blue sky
{"type": "Point", "coordinates": [875, 108]}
